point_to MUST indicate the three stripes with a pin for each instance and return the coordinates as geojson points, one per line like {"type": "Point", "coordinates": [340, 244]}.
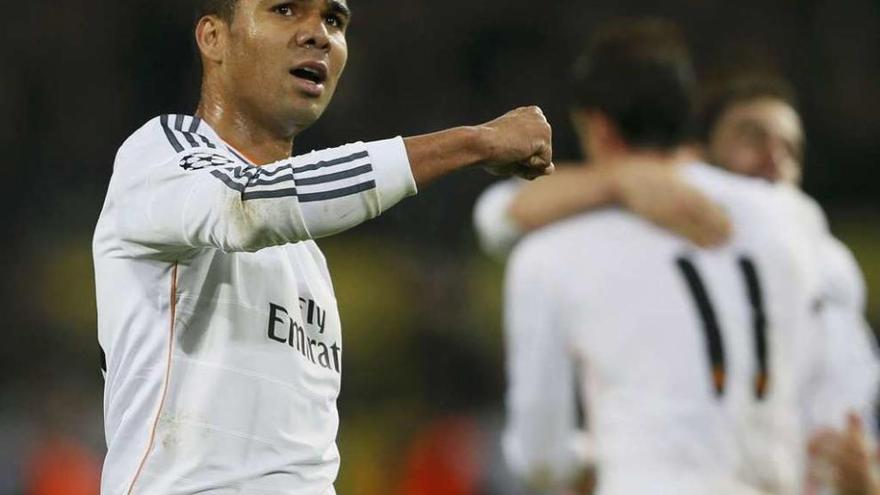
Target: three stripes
{"type": "Point", "coordinates": [319, 181]}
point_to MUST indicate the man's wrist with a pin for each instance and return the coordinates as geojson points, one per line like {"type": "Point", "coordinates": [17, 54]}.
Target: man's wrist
{"type": "Point", "coordinates": [477, 144]}
{"type": "Point", "coordinates": [434, 155]}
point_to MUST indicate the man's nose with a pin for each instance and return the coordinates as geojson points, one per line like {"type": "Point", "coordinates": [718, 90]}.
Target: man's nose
{"type": "Point", "coordinates": [313, 33]}
{"type": "Point", "coordinates": [773, 159]}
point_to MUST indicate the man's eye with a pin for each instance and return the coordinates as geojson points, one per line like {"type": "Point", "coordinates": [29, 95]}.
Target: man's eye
{"type": "Point", "coordinates": [284, 9]}
{"type": "Point", "coordinates": [751, 132]}
{"type": "Point", "coordinates": [334, 20]}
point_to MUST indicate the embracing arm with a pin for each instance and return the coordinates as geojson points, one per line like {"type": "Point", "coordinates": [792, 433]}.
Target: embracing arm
{"type": "Point", "coordinates": [655, 192]}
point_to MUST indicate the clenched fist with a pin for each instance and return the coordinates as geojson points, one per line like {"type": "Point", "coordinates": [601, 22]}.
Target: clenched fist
{"type": "Point", "coordinates": [518, 143]}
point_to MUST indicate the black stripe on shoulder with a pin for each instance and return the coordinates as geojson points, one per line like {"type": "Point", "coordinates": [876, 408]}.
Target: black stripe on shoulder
{"type": "Point", "coordinates": [337, 193]}
{"type": "Point", "coordinates": [272, 182]}
{"type": "Point", "coordinates": [169, 134]}
{"type": "Point", "coordinates": [278, 193]}
{"type": "Point", "coordinates": [230, 183]}
{"type": "Point", "coordinates": [194, 130]}
{"type": "Point", "coordinates": [207, 141]}
{"type": "Point", "coordinates": [179, 124]}
{"type": "Point", "coordinates": [346, 174]}
{"type": "Point", "coordinates": [331, 163]}
{"type": "Point", "coordinates": [247, 172]}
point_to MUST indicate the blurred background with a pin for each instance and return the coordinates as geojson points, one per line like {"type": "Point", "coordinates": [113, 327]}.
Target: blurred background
{"type": "Point", "coordinates": [423, 382]}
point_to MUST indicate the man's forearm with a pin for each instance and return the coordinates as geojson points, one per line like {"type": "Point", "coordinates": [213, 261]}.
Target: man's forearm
{"type": "Point", "coordinates": [518, 142]}
{"type": "Point", "coordinates": [568, 192]}
{"type": "Point", "coordinates": [434, 155]}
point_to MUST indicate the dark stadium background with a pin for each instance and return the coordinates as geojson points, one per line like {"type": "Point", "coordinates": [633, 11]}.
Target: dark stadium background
{"type": "Point", "coordinates": [420, 306]}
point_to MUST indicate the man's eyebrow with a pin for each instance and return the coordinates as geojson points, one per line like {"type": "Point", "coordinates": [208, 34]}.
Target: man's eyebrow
{"type": "Point", "coordinates": [750, 124]}
{"type": "Point", "coordinates": [339, 7]}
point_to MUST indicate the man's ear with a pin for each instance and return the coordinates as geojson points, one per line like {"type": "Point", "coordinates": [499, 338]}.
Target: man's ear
{"type": "Point", "coordinates": [605, 130]}
{"type": "Point", "coordinates": [593, 122]}
{"type": "Point", "coordinates": [211, 36]}
{"type": "Point", "coordinates": [598, 133]}
{"type": "Point", "coordinates": [578, 118]}
{"type": "Point", "coordinates": [602, 126]}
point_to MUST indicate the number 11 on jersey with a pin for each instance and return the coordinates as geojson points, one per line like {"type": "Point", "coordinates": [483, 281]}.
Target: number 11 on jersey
{"type": "Point", "coordinates": [712, 330]}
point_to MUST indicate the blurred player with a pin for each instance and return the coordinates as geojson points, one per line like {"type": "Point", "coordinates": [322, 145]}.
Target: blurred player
{"type": "Point", "coordinates": [748, 124]}
{"type": "Point", "coordinates": [751, 126]}
{"type": "Point", "coordinates": [216, 311]}
{"type": "Point", "coordinates": [691, 359]}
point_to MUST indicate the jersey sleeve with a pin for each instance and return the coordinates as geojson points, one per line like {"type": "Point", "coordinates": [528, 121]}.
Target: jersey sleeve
{"type": "Point", "coordinates": [496, 231]}
{"type": "Point", "coordinates": [539, 439]}
{"type": "Point", "coordinates": [848, 370]}
{"type": "Point", "coordinates": [203, 197]}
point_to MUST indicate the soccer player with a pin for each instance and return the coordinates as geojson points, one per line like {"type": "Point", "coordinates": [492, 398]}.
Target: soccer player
{"type": "Point", "coordinates": [748, 124]}
{"type": "Point", "coordinates": [220, 332]}
{"type": "Point", "coordinates": [751, 126]}
{"type": "Point", "coordinates": [691, 360]}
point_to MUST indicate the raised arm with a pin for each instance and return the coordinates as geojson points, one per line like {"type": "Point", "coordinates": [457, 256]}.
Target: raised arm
{"type": "Point", "coordinates": [655, 192]}
{"type": "Point", "coordinates": [203, 196]}
{"type": "Point", "coordinates": [517, 143]}
{"type": "Point", "coordinates": [207, 198]}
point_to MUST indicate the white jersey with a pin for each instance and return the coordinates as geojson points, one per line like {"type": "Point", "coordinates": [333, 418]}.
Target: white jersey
{"type": "Point", "coordinates": [217, 314]}
{"type": "Point", "coordinates": [848, 376]}
{"type": "Point", "coordinates": [497, 233]}
{"type": "Point", "coordinates": [693, 362]}
{"type": "Point", "coordinates": [849, 372]}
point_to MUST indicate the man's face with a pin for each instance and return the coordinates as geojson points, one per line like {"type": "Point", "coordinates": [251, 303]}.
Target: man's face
{"type": "Point", "coordinates": [283, 60]}
{"type": "Point", "coordinates": [761, 138]}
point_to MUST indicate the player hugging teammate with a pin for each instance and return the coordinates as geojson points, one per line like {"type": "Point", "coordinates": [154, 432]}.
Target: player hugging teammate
{"type": "Point", "coordinates": [702, 370]}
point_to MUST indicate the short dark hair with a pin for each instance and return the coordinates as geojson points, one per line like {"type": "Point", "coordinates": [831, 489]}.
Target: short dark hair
{"type": "Point", "coordinates": [723, 92]}
{"type": "Point", "coordinates": [224, 9]}
{"type": "Point", "coordinates": [638, 72]}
